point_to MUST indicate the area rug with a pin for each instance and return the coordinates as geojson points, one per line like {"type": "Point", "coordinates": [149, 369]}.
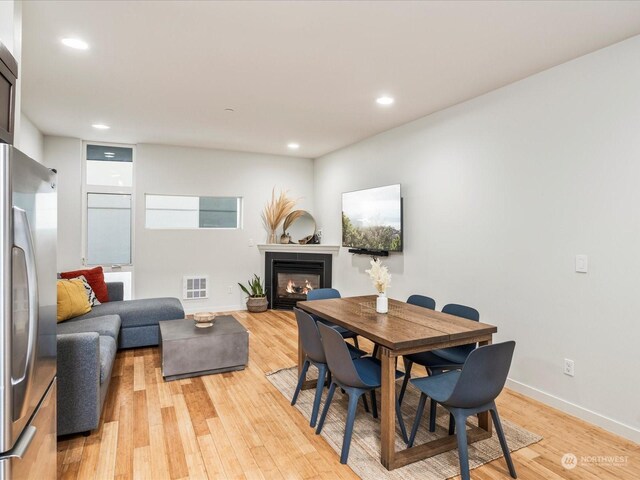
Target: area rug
{"type": "Point", "coordinates": [364, 456]}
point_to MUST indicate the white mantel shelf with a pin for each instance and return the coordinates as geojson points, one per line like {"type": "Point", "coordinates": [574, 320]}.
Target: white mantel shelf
{"type": "Point", "coordinates": [293, 248]}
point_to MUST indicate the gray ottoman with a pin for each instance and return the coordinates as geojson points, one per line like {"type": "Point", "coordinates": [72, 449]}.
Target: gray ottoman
{"type": "Point", "coordinates": [188, 351]}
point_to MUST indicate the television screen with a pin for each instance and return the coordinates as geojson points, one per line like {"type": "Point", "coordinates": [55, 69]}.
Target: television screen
{"type": "Point", "coordinates": [372, 219]}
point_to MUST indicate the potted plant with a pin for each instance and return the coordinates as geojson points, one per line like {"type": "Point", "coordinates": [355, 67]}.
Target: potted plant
{"type": "Point", "coordinates": [257, 301]}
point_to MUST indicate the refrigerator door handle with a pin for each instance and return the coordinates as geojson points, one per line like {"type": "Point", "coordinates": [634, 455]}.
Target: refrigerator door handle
{"type": "Point", "coordinates": [22, 445]}
{"type": "Point", "coordinates": [22, 240]}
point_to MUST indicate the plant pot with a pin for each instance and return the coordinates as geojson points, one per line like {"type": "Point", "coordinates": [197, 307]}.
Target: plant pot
{"type": "Point", "coordinates": [257, 304]}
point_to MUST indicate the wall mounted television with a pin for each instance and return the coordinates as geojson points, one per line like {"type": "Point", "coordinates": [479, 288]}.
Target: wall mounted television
{"type": "Point", "coordinates": [372, 220]}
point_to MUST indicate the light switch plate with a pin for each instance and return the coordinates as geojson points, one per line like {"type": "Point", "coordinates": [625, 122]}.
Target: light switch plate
{"type": "Point", "coordinates": [582, 263]}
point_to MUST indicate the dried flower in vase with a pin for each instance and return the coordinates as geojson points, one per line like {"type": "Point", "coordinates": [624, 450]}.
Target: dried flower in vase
{"type": "Point", "coordinates": [276, 211]}
{"type": "Point", "coordinates": [380, 275]}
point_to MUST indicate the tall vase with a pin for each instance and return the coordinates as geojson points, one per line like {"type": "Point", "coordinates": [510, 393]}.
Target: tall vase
{"type": "Point", "coordinates": [382, 303]}
{"type": "Point", "coordinates": [273, 238]}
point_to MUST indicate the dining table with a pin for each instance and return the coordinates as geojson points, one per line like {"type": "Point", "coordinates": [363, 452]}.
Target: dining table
{"type": "Point", "coordinates": [403, 330]}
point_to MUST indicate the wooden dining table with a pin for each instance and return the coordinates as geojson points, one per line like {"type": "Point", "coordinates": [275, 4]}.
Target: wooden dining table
{"type": "Point", "coordinates": [403, 330]}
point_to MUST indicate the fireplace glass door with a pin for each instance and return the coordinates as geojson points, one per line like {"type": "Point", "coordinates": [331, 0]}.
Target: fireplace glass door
{"type": "Point", "coordinates": [292, 280]}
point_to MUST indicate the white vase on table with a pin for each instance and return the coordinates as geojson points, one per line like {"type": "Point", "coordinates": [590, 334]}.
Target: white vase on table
{"type": "Point", "coordinates": [382, 303]}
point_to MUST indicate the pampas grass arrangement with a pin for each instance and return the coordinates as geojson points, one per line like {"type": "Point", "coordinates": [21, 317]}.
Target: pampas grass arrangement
{"type": "Point", "coordinates": [380, 276]}
{"type": "Point", "coordinates": [275, 212]}
{"type": "Point", "coordinates": [292, 217]}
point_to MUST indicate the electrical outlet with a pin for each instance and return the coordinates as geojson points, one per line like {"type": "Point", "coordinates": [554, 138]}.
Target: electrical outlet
{"type": "Point", "coordinates": [251, 242]}
{"type": "Point", "coordinates": [230, 289]}
{"type": "Point", "coordinates": [569, 367]}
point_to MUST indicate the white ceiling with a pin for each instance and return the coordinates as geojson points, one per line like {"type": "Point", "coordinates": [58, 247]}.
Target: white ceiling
{"type": "Point", "coordinates": [309, 72]}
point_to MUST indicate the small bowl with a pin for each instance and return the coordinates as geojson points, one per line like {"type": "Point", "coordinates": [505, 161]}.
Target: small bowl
{"type": "Point", "coordinates": [204, 319]}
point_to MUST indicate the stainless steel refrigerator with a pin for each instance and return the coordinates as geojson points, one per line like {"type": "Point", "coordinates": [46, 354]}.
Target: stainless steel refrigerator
{"type": "Point", "coordinates": [28, 302]}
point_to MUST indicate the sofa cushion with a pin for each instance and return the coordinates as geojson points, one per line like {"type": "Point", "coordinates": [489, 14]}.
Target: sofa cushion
{"type": "Point", "coordinates": [108, 325]}
{"type": "Point", "coordinates": [95, 277]}
{"type": "Point", "coordinates": [107, 356]}
{"type": "Point", "coordinates": [138, 313]}
{"type": "Point", "coordinates": [72, 299]}
{"type": "Point", "coordinates": [91, 295]}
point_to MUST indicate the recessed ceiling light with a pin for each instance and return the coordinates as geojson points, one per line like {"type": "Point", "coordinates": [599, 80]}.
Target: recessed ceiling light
{"type": "Point", "coordinates": [100, 126]}
{"type": "Point", "coordinates": [384, 100]}
{"type": "Point", "coordinates": [75, 43]}
{"type": "Point", "coordinates": [293, 146]}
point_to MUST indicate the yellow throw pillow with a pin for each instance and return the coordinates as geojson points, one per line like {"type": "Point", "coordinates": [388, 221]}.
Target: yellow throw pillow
{"type": "Point", "coordinates": [72, 299]}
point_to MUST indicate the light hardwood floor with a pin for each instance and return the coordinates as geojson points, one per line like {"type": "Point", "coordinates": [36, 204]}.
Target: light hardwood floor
{"type": "Point", "coordinates": [237, 425]}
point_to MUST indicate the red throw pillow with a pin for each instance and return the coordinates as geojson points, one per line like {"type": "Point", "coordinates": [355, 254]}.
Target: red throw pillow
{"type": "Point", "coordinates": [95, 277]}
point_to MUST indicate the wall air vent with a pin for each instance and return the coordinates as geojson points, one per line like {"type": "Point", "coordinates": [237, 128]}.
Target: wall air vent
{"type": "Point", "coordinates": [195, 287]}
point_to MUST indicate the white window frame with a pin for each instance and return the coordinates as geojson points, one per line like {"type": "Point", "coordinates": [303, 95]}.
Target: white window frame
{"type": "Point", "coordinates": [87, 189]}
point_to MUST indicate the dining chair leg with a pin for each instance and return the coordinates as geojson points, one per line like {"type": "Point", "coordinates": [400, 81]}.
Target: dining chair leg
{"type": "Point", "coordinates": [432, 415]}
{"type": "Point", "coordinates": [407, 376]}
{"type": "Point", "coordinates": [416, 422]}
{"type": "Point", "coordinates": [503, 441]}
{"type": "Point", "coordinates": [328, 377]}
{"type": "Point", "coordinates": [327, 403]}
{"type": "Point", "coordinates": [403, 429]}
{"type": "Point", "coordinates": [303, 375]}
{"type": "Point", "coordinates": [322, 373]}
{"type": "Point", "coordinates": [374, 404]}
{"type": "Point", "coordinates": [354, 396]}
{"type": "Point", "coordinates": [366, 403]}
{"type": "Point", "coordinates": [355, 342]}
{"type": "Point", "coordinates": [452, 425]}
{"type": "Point", "coordinates": [463, 451]}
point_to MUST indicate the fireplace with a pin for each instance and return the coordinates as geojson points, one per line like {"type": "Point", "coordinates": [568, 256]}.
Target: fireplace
{"type": "Point", "coordinates": [290, 276]}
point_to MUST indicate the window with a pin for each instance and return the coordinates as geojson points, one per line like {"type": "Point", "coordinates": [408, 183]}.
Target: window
{"type": "Point", "coordinates": [183, 211]}
{"type": "Point", "coordinates": [108, 229]}
{"type": "Point", "coordinates": [109, 166]}
{"type": "Point", "coordinates": [108, 204]}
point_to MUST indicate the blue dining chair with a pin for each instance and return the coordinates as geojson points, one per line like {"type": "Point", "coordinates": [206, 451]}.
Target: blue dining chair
{"type": "Point", "coordinates": [438, 361]}
{"type": "Point", "coordinates": [314, 355]}
{"type": "Point", "coordinates": [470, 391]}
{"type": "Point", "coordinates": [324, 294]}
{"type": "Point", "coordinates": [355, 377]}
{"type": "Point", "coordinates": [422, 301]}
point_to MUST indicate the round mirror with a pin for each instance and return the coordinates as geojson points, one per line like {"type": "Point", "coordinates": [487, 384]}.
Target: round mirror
{"type": "Point", "coordinates": [299, 226]}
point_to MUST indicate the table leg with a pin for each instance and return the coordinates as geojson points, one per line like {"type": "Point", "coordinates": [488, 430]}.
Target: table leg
{"type": "Point", "coordinates": [300, 355]}
{"type": "Point", "coordinates": [388, 417]}
{"type": "Point", "coordinates": [307, 384]}
{"type": "Point", "coordinates": [484, 420]}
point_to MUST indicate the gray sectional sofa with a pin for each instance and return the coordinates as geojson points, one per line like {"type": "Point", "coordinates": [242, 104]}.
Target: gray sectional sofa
{"type": "Point", "coordinates": [87, 348]}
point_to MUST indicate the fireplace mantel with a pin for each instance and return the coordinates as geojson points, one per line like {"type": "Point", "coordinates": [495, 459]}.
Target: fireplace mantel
{"type": "Point", "coordinates": [293, 248]}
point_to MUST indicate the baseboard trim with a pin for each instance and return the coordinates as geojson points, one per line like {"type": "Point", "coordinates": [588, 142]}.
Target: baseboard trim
{"type": "Point", "coordinates": [213, 308]}
{"type": "Point", "coordinates": [582, 413]}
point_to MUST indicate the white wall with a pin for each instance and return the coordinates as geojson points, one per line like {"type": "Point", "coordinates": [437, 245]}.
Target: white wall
{"type": "Point", "coordinates": [500, 194]}
{"type": "Point", "coordinates": [30, 140]}
{"type": "Point", "coordinates": [65, 155]}
{"type": "Point", "coordinates": [162, 257]}
{"type": "Point", "coordinates": [7, 24]}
